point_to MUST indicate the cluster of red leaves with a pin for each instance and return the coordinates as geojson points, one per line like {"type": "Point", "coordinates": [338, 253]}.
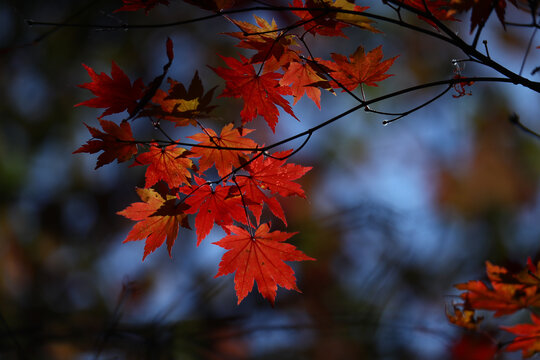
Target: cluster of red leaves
{"type": "Point", "coordinates": [506, 293]}
{"type": "Point", "coordinates": [248, 178]}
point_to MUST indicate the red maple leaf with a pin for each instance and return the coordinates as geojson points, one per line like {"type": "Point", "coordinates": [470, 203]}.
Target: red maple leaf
{"type": "Point", "coordinates": [116, 143]}
{"type": "Point", "coordinates": [212, 205]}
{"type": "Point", "coordinates": [115, 93]}
{"type": "Point", "coordinates": [528, 339]}
{"type": "Point", "coordinates": [169, 164]}
{"type": "Point", "coordinates": [359, 68]}
{"type": "Point", "coordinates": [271, 173]}
{"type": "Point", "coordinates": [259, 258]}
{"type": "Point", "coordinates": [223, 160]}
{"type": "Point", "coordinates": [261, 93]}
{"type": "Point", "coordinates": [147, 5]}
{"type": "Point", "coordinates": [505, 296]}
{"type": "Point", "coordinates": [158, 219]}
{"type": "Point", "coordinates": [257, 198]}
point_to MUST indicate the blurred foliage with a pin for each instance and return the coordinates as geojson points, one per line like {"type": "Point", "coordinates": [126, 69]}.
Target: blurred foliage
{"type": "Point", "coordinates": [395, 215]}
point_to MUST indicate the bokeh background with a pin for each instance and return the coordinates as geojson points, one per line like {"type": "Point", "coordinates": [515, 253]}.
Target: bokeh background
{"type": "Point", "coordinates": [396, 215]}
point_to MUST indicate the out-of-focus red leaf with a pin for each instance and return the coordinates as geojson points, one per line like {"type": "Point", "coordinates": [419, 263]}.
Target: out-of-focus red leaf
{"type": "Point", "coordinates": [505, 296]}
{"type": "Point", "coordinates": [473, 346]}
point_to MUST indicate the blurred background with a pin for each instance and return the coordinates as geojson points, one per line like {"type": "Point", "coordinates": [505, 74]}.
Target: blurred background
{"type": "Point", "coordinates": [395, 215]}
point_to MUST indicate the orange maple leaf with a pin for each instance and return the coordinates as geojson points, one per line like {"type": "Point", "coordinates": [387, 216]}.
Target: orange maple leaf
{"type": "Point", "coordinates": [116, 142]}
{"type": "Point", "coordinates": [115, 93]}
{"type": "Point", "coordinates": [261, 93]}
{"type": "Point", "coordinates": [528, 339]}
{"type": "Point", "coordinates": [360, 68]}
{"type": "Point", "coordinates": [304, 79]}
{"type": "Point", "coordinates": [259, 258]}
{"type": "Point", "coordinates": [505, 296]}
{"type": "Point", "coordinates": [272, 45]}
{"type": "Point", "coordinates": [169, 164]}
{"type": "Point", "coordinates": [223, 160]}
{"type": "Point", "coordinates": [158, 219]}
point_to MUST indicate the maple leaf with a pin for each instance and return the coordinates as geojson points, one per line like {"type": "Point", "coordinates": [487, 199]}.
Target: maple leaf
{"type": "Point", "coordinates": [147, 5]}
{"type": "Point", "coordinates": [474, 346]}
{"type": "Point", "coordinates": [440, 9]}
{"type": "Point", "coordinates": [116, 142]}
{"type": "Point", "coordinates": [223, 160]}
{"type": "Point", "coordinates": [359, 68]}
{"type": "Point", "coordinates": [158, 219]}
{"type": "Point", "coordinates": [505, 296]}
{"type": "Point", "coordinates": [179, 105]}
{"type": "Point", "coordinates": [212, 205]}
{"type": "Point", "coordinates": [330, 22]}
{"type": "Point", "coordinates": [257, 198]}
{"type": "Point", "coordinates": [261, 93]}
{"type": "Point", "coordinates": [304, 80]}
{"type": "Point", "coordinates": [115, 93]}
{"type": "Point", "coordinates": [272, 46]}
{"type": "Point", "coordinates": [169, 164]}
{"type": "Point", "coordinates": [528, 339]}
{"type": "Point", "coordinates": [259, 258]}
{"type": "Point", "coordinates": [464, 318]}
{"type": "Point", "coordinates": [271, 173]}
{"type": "Point", "coordinates": [481, 10]}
